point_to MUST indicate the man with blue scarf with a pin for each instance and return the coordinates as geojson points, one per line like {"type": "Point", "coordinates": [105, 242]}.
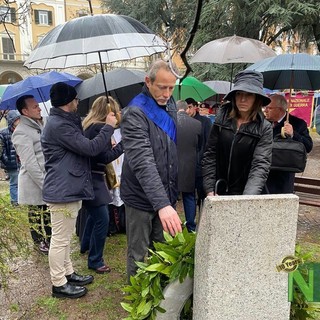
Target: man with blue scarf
{"type": "Point", "coordinates": [149, 173]}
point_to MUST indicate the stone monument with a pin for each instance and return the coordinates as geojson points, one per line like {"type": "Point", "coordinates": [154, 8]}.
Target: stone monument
{"type": "Point", "coordinates": [240, 241]}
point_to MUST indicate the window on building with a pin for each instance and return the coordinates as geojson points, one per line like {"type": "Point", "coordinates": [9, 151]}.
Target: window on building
{"type": "Point", "coordinates": [7, 49]}
{"type": "Point", "coordinates": [7, 14]}
{"type": "Point", "coordinates": [43, 17]}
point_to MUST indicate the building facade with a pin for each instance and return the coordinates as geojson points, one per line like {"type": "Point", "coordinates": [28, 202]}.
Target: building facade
{"type": "Point", "coordinates": [26, 23]}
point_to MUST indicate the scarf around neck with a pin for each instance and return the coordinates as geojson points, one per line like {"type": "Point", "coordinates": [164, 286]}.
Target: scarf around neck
{"type": "Point", "coordinates": [156, 114]}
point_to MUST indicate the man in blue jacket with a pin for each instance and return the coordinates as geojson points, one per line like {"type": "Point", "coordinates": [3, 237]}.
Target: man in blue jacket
{"type": "Point", "coordinates": [67, 182]}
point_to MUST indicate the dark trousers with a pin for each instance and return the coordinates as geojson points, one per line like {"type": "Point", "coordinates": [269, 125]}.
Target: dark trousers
{"type": "Point", "coordinates": [35, 215]}
{"type": "Point", "coordinates": [190, 207]}
{"type": "Point", "coordinates": [142, 229]}
{"type": "Point", "coordinates": [95, 234]}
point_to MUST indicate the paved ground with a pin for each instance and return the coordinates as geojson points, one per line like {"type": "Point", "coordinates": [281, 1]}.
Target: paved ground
{"type": "Point", "coordinates": [309, 217]}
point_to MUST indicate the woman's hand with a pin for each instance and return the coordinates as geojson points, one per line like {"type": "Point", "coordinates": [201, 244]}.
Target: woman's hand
{"type": "Point", "coordinates": [111, 119]}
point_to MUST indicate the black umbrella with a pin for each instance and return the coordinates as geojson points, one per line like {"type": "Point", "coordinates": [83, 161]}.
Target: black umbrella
{"type": "Point", "coordinates": [123, 85]}
{"type": "Point", "coordinates": [98, 39]}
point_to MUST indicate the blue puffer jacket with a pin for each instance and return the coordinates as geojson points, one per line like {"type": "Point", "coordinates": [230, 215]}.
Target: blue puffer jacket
{"type": "Point", "coordinates": [9, 159]}
{"type": "Point", "coordinates": [67, 155]}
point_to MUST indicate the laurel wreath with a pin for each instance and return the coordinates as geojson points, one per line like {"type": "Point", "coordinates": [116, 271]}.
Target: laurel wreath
{"type": "Point", "coordinates": [171, 260]}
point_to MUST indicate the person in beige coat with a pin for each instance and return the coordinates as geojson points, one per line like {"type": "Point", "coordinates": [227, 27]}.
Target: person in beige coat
{"type": "Point", "coordinates": [26, 140]}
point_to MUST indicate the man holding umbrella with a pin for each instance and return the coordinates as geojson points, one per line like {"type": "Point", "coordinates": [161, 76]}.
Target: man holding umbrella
{"type": "Point", "coordinates": [67, 182]}
{"type": "Point", "coordinates": [149, 172]}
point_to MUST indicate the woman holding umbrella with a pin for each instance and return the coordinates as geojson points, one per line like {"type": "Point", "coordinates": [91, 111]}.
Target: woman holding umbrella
{"type": "Point", "coordinates": [96, 229]}
{"type": "Point", "coordinates": [238, 153]}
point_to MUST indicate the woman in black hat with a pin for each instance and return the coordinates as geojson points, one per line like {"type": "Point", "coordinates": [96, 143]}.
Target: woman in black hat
{"type": "Point", "coordinates": [238, 153]}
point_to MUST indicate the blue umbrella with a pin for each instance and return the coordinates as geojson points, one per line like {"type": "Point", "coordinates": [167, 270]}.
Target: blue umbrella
{"type": "Point", "coordinates": [39, 86]}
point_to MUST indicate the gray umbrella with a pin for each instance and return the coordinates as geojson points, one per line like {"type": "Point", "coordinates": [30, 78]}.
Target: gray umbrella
{"type": "Point", "coordinates": [220, 87]}
{"type": "Point", "coordinates": [98, 39]}
{"type": "Point", "coordinates": [123, 85]}
{"type": "Point", "coordinates": [115, 79]}
{"type": "Point", "coordinates": [232, 50]}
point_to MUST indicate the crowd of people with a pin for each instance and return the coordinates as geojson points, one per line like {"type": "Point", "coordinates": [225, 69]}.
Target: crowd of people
{"type": "Point", "coordinates": [166, 148]}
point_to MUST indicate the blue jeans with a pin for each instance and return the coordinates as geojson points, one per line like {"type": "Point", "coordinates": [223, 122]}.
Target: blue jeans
{"type": "Point", "coordinates": [190, 206]}
{"type": "Point", "coordinates": [13, 182]}
{"type": "Point", "coordinates": [95, 234]}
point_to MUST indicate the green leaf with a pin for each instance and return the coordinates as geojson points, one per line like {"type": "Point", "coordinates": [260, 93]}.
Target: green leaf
{"type": "Point", "coordinates": [161, 310]}
{"type": "Point", "coordinates": [126, 306]}
{"type": "Point", "coordinates": [141, 306]}
{"type": "Point", "coordinates": [145, 291]}
{"type": "Point", "coordinates": [167, 236]}
{"type": "Point", "coordinates": [155, 267]}
{"type": "Point", "coordinates": [167, 257]}
{"type": "Point", "coordinates": [147, 308]}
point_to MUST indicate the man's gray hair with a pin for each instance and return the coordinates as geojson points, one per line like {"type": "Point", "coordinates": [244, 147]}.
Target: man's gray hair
{"type": "Point", "coordinates": [161, 64]}
{"type": "Point", "coordinates": [281, 101]}
{"type": "Point", "coordinates": [182, 105]}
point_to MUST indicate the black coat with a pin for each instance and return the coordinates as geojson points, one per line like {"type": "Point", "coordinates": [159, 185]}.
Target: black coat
{"type": "Point", "coordinates": [242, 158]}
{"type": "Point", "coordinates": [67, 155]}
{"type": "Point", "coordinates": [149, 171]}
{"type": "Point", "coordinates": [97, 163]}
{"type": "Point", "coordinates": [188, 145]}
{"type": "Point", "coordinates": [283, 181]}
{"type": "Point", "coordinates": [206, 125]}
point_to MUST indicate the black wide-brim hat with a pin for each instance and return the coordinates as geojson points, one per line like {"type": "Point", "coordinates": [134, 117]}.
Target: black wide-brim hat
{"type": "Point", "coordinates": [248, 81]}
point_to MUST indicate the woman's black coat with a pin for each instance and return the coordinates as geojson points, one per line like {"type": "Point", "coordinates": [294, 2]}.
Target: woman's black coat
{"type": "Point", "coordinates": [101, 192]}
{"type": "Point", "coordinates": [240, 159]}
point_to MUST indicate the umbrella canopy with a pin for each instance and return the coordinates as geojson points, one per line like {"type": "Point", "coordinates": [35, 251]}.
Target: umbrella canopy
{"type": "Point", "coordinates": [233, 50]}
{"type": "Point", "coordinates": [94, 39]}
{"type": "Point", "coordinates": [290, 71]}
{"type": "Point", "coordinates": [39, 86]}
{"type": "Point", "coordinates": [123, 85]}
{"type": "Point", "coordinates": [220, 87]}
{"type": "Point", "coordinates": [191, 87]}
{"type": "Point", "coordinates": [3, 88]}
{"type": "Point", "coordinates": [87, 40]}
{"type": "Point", "coordinates": [115, 79]}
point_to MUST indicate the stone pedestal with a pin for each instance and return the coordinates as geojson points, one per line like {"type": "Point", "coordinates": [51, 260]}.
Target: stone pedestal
{"type": "Point", "coordinates": [240, 241]}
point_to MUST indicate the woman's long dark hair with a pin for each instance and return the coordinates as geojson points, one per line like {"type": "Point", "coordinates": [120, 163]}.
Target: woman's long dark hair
{"type": "Point", "coordinates": [257, 108]}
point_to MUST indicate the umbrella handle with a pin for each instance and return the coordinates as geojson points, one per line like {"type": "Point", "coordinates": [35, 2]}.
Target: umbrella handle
{"type": "Point", "coordinates": [291, 85]}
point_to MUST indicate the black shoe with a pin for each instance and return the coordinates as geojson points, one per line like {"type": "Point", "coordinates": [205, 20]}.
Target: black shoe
{"type": "Point", "coordinates": [76, 279]}
{"type": "Point", "coordinates": [68, 291]}
{"type": "Point", "coordinates": [43, 247]}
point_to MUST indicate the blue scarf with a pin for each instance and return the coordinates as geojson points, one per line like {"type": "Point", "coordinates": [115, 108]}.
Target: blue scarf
{"type": "Point", "coordinates": [156, 114]}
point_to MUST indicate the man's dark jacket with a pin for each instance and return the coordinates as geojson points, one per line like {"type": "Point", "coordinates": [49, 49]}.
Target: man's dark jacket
{"type": "Point", "coordinates": [149, 171]}
{"type": "Point", "coordinates": [283, 181]}
{"type": "Point", "coordinates": [188, 145]}
{"type": "Point", "coordinates": [67, 155]}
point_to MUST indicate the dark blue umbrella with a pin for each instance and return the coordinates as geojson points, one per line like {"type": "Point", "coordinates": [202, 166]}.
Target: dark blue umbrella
{"type": "Point", "coordinates": [290, 71]}
{"type": "Point", "coordinates": [39, 86]}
